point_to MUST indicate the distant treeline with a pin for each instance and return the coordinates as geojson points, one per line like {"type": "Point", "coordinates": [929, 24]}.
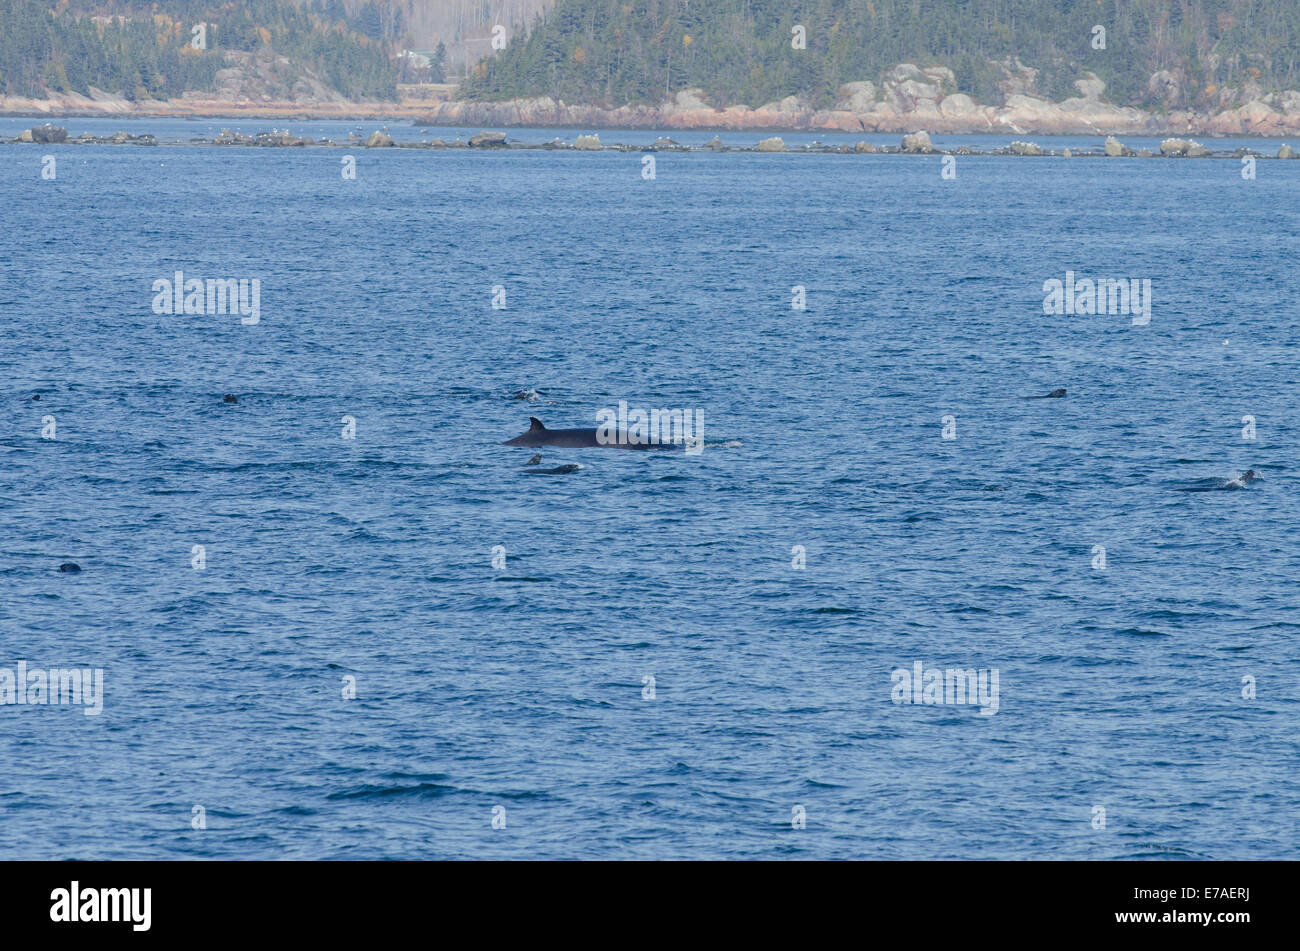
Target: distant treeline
{"type": "Point", "coordinates": [614, 52]}
{"type": "Point", "coordinates": [143, 51]}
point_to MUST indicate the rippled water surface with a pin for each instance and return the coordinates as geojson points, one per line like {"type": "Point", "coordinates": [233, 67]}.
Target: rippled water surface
{"type": "Point", "coordinates": [526, 686]}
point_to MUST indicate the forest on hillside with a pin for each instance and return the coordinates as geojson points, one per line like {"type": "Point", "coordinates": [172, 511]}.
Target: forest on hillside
{"type": "Point", "coordinates": [614, 52]}
{"type": "Point", "coordinates": [143, 51]}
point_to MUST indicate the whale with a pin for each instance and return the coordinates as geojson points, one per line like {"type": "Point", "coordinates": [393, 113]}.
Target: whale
{"type": "Point", "coordinates": [1055, 394]}
{"type": "Point", "coordinates": [558, 470]}
{"type": "Point", "coordinates": [539, 435]}
{"type": "Point", "coordinates": [1220, 485]}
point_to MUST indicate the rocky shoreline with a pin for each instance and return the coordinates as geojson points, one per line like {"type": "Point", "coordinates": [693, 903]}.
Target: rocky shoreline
{"type": "Point", "coordinates": [106, 105]}
{"type": "Point", "coordinates": [956, 114]}
{"type": "Point", "coordinates": [913, 98]}
{"type": "Point", "coordinates": [914, 143]}
{"type": "Point", "coordinates": [908, 98]}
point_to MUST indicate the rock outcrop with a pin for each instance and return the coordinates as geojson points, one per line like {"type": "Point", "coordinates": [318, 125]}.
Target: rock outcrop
{"type": "Point", "coordinates": [280, 138]}
{"type": "Point", "coordinates": [908, 97]}
{"type": "Point", "coordinates": [1183, 148]}
{"type": "Point", "coordinates": [1025, 148]}
{"type": "Point", "coordinates": [266, 85]}
{"type": "Point", "coordinates": [48, 134]}
{"type": "Point", "coordinates": [229, 138]}
{"type": "Point", "coordinates": [488, 140]}
{"type": "Point", "coordinates": [918, 142]}
{"type": "Point", "coordinates": [774, 144]}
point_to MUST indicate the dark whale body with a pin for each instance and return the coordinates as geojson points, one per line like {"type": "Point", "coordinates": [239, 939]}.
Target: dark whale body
{"type": "Point", "coordinates": [1055, 394]}
{"type": "Point", "coordinates": [539, 435]}
{"type": "Point", "coordinates": [1222, 485]}
{"type": "Point", "coordinates": [558, 470]}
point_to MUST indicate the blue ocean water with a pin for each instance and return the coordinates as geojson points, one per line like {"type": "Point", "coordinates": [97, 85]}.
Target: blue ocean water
{"type": "Point", "coordinates": [527, 687]}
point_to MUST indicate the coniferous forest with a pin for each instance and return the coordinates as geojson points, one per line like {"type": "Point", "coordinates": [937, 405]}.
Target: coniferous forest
{"type": "Point", "coordinates": [144, 51]}
{"type": "Point", "coordinates": [614, 52]}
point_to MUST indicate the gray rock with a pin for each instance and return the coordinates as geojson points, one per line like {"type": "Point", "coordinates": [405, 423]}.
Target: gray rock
{"type": "Point", "coordinates": [379, 140]}
{"type": "Point", "coordinates": [1026, 148]}
{"type": "Point", "coordinates": [587, 143]}
{"type": "Point", "coordinates": [864, 147]}
{"type": "Point", "coordinates": [283, 138]}
{"type": "Point", "coordinates": [488, 140]}
{"type": "Point", "coordinates": [774, 144]}
{"type": "Point", "coordinates": [715, 143]}
{"type": "Point", "coordinates": [49, 134]}
{"type": "Point", "coordinates": [1178, 148]}
{"type": "Point", "coordinates": [917, 142]}
{"type": "Point", "coordinates": [904, 71]}
{"type": "Point", "coordinates": [1285, 152]}
{"type": "Point", "coordinates": [1115, 148]}
{"type": "Point", "coordinates": [857, 97]}
{"type": "Point", "coordinates": [231, 138]}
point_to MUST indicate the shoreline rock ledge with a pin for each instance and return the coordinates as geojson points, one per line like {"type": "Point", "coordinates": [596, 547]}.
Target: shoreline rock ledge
{"type": "Point", "coordinates": [908, 97]}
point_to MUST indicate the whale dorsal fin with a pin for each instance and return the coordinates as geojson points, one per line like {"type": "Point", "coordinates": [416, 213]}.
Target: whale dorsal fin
{"type": "Point", "coordinates": [536, 424]}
